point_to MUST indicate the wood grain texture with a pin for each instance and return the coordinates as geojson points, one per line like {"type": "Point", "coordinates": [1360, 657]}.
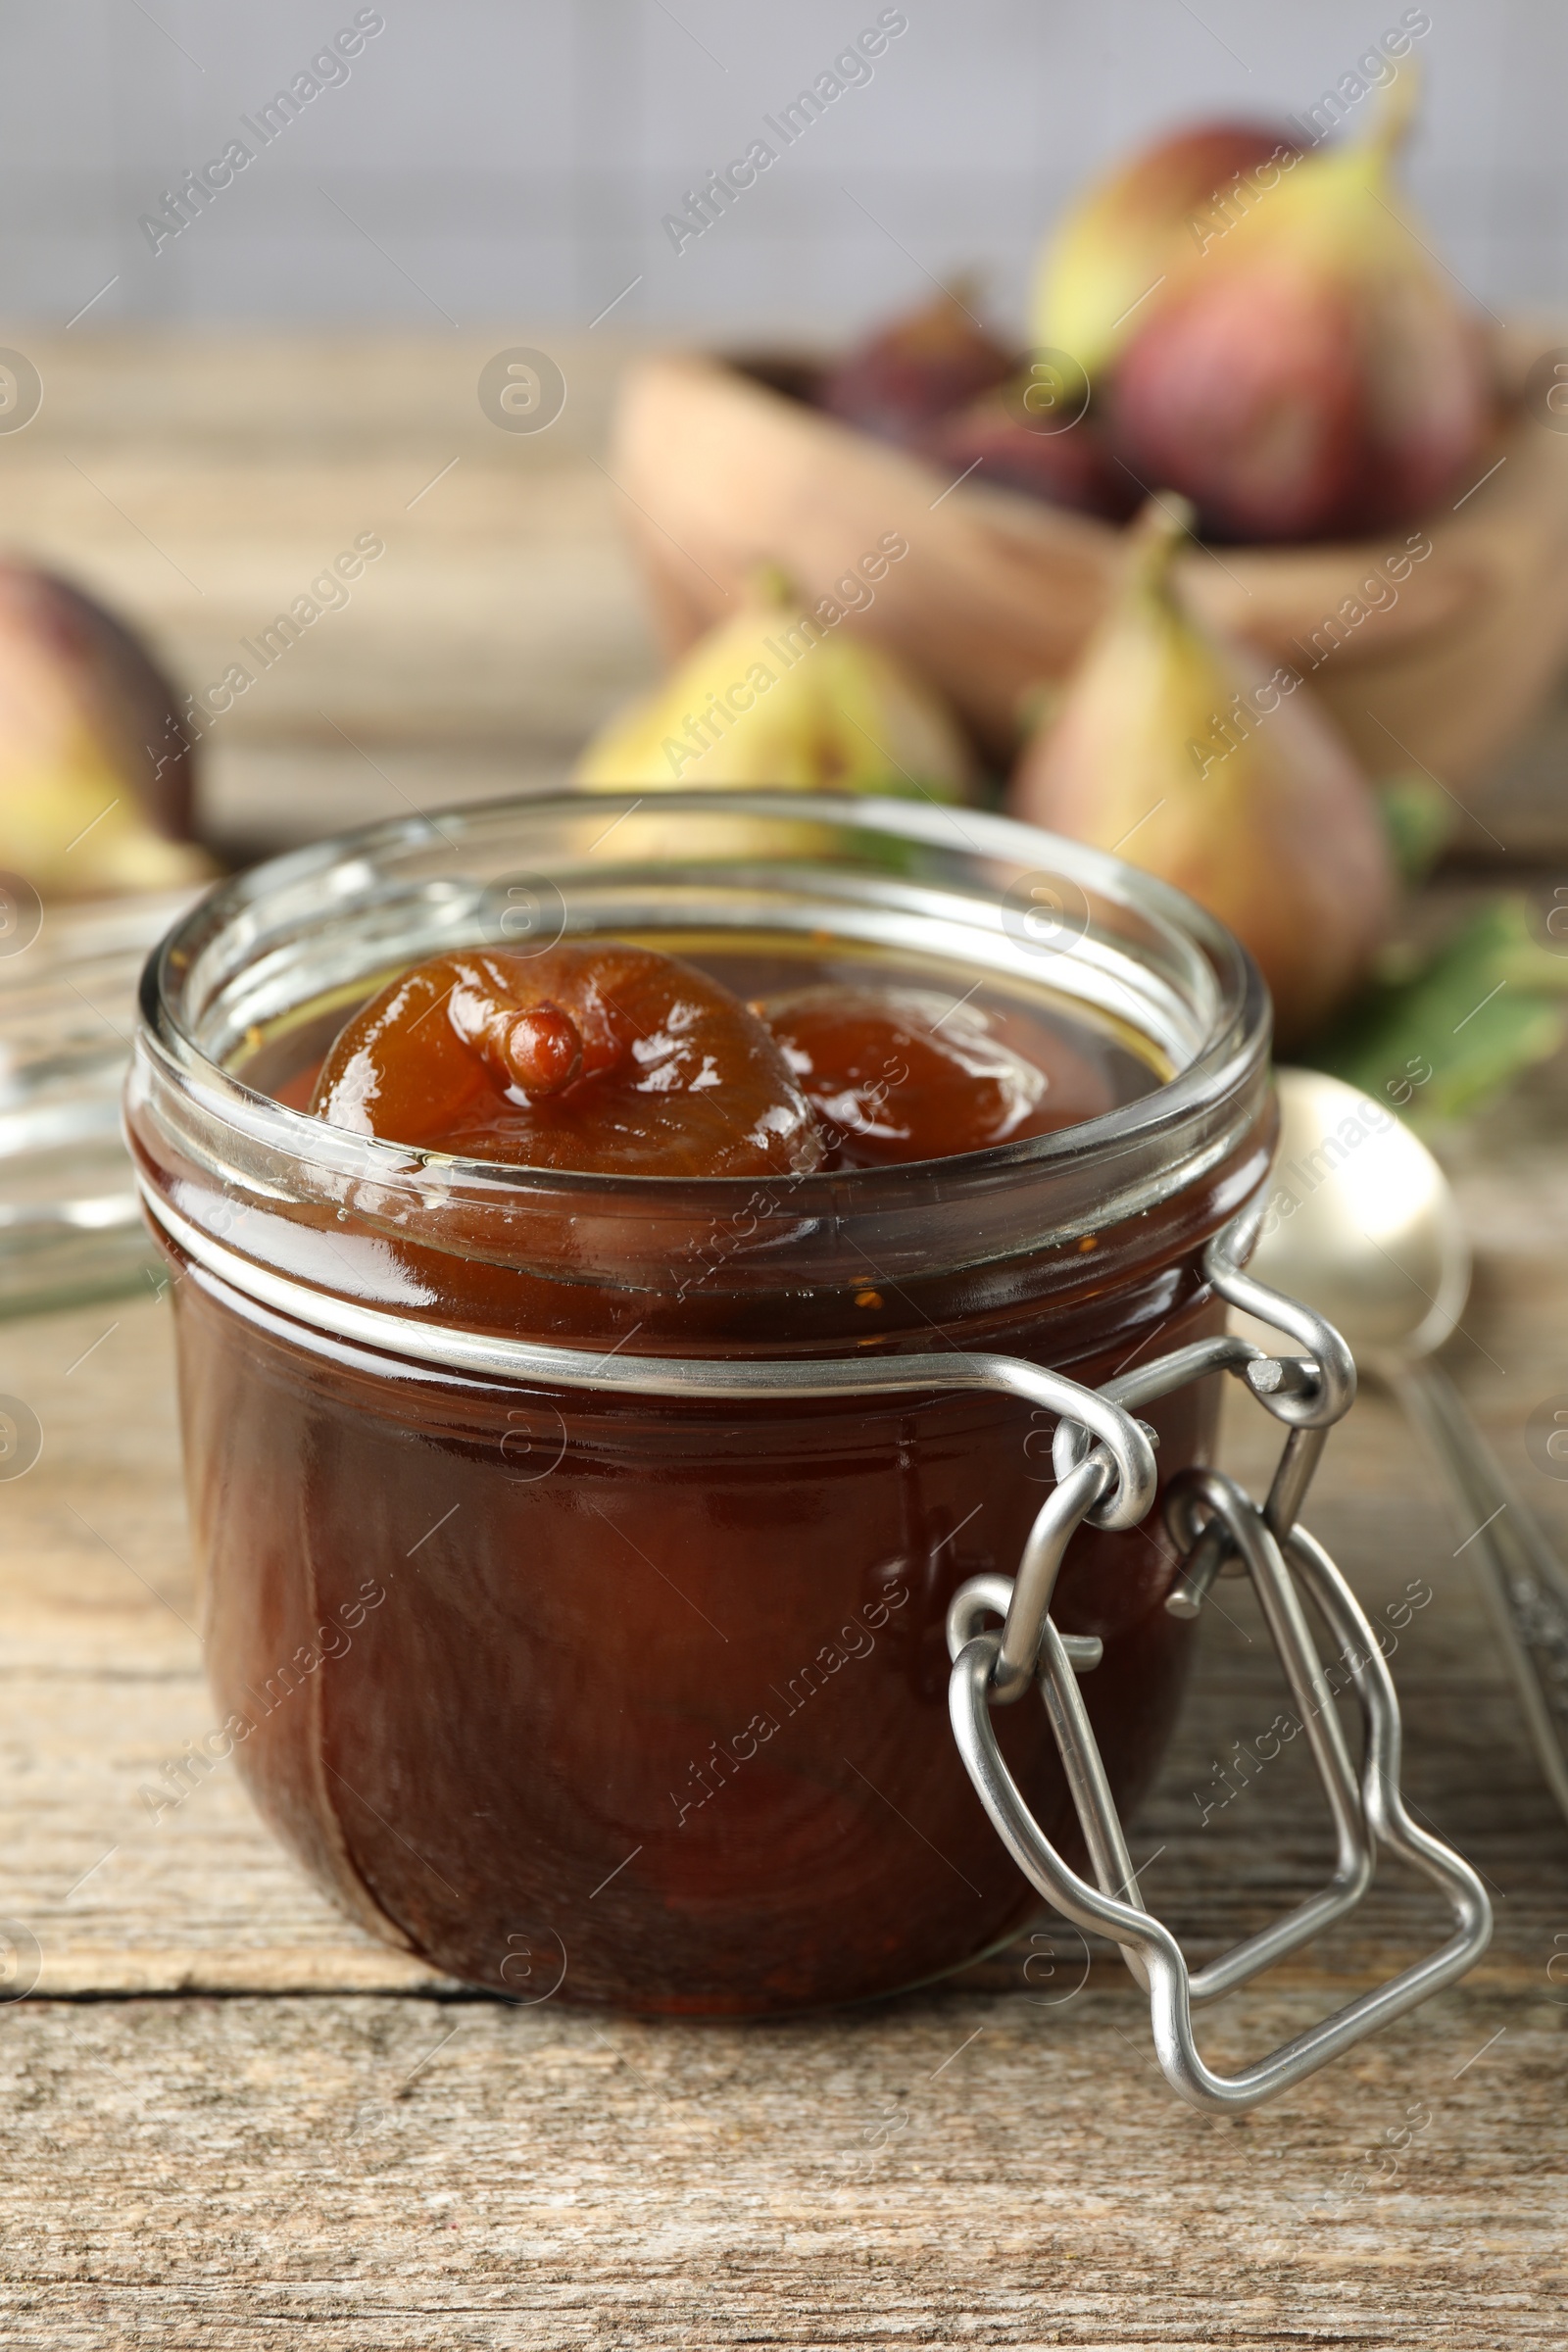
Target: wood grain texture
{"type": "Point", "coordinates": [962, 2168]}
{"type": "Point", "coordinates": [200, 484]}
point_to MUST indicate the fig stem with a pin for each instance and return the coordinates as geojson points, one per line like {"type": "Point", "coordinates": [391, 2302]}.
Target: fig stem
{"type": "Point", "coordinates": [966, 289]}
{"type": "Point", "coordinates": [1398, 105]}
{"type": "Point", "coordinates": [1154, 538]}
{"type": "Point", "coordinates": [771, 585]}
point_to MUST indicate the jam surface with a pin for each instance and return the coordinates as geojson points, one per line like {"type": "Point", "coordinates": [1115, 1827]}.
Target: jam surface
{"type": "Point", "coordinates": [618, 1060]}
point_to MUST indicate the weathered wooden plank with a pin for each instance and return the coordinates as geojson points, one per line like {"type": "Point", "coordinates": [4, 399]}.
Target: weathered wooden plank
{"type": "Point", "coordinates": [956, 2168]}
{"type": "Point", "coordinates": [203, 485]}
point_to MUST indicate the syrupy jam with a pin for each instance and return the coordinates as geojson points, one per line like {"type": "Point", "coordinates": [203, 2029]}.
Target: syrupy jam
{"type": "Point", "coordinates": [642, 1699]}
{"type": "Point", "coordinates": [616, 1060]}
{"type": "Point", "coordinates": [603, 1058]}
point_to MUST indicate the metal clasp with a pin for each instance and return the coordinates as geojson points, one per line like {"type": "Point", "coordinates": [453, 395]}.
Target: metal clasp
{"type": "Point", "coordinates": [1216, 1526]}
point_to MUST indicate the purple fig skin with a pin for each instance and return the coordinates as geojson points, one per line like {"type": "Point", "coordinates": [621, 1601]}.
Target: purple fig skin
{"type": "Point", "coordinates": [127, 701]}
{"type": "Point", "coordinates": [1308, 372]}
{"type": "Point", "coordinates": [914, 371]}
{"type": "Point", "coordinates": [1130, 230]}
{"type": "Point", "coordinates": [1071, 469]}
{"type": "Point", "coordinates": [1254, 394]}
{"type": "Point", "coordinates": [1189, 169]}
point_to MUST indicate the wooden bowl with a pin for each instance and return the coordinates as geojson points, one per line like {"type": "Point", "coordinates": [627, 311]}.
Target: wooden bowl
{"type": "Point", "coordinates": [724, 468]}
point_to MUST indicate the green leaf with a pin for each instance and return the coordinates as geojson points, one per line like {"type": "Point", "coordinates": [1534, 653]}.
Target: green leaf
{"type": "Point", "coordinates": [1420, 820]}
{"type": "Point", "coordinates": [1535, 956]}
{"type": "Point", "coordinates": [1455, 1032]}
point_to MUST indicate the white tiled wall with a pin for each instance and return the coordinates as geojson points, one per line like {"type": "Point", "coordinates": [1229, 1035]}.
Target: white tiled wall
{"type": "Point", "coordinates": [508, 161]}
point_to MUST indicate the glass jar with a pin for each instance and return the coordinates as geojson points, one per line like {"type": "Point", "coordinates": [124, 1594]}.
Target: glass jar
{"type": "Point", "coordinates": [558, 1670]}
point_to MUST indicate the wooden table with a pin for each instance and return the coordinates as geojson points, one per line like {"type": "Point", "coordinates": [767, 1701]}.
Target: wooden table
{"type": "Point", "coordinates": [230, 2118]}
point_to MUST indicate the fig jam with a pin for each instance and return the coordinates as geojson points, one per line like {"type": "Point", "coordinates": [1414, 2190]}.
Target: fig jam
{"type": "Point", "coordinates": [641, 1698]}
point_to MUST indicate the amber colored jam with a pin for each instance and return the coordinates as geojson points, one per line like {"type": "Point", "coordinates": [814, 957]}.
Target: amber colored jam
{"type": "Point", "coordinates": [642, 1701]}
{"type": "Point", "coordinates": [619, 1061]}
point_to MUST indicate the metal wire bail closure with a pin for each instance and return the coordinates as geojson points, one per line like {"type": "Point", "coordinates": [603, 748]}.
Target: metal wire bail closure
{"type": "Point", "coordinates": [1214, 1525]}
{"type": "Point", "coordinates": [1105, 1460]}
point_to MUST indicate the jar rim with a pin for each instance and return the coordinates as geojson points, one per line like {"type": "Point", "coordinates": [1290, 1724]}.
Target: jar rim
{"type": "Point", "coordinates": [337, 871]}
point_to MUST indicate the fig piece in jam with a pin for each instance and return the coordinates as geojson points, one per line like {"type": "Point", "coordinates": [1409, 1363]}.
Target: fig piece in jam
{"type": "Point", "coordinates": [902, 1074]}
{"type": "Point", "coordinates": [608, 1059]}
{"type": "Point", "coordinates": [617, 1060]}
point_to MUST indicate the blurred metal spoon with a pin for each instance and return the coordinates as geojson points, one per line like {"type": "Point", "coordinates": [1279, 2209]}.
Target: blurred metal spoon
{"type": "Point", "coordinates": [1374, 1241]}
